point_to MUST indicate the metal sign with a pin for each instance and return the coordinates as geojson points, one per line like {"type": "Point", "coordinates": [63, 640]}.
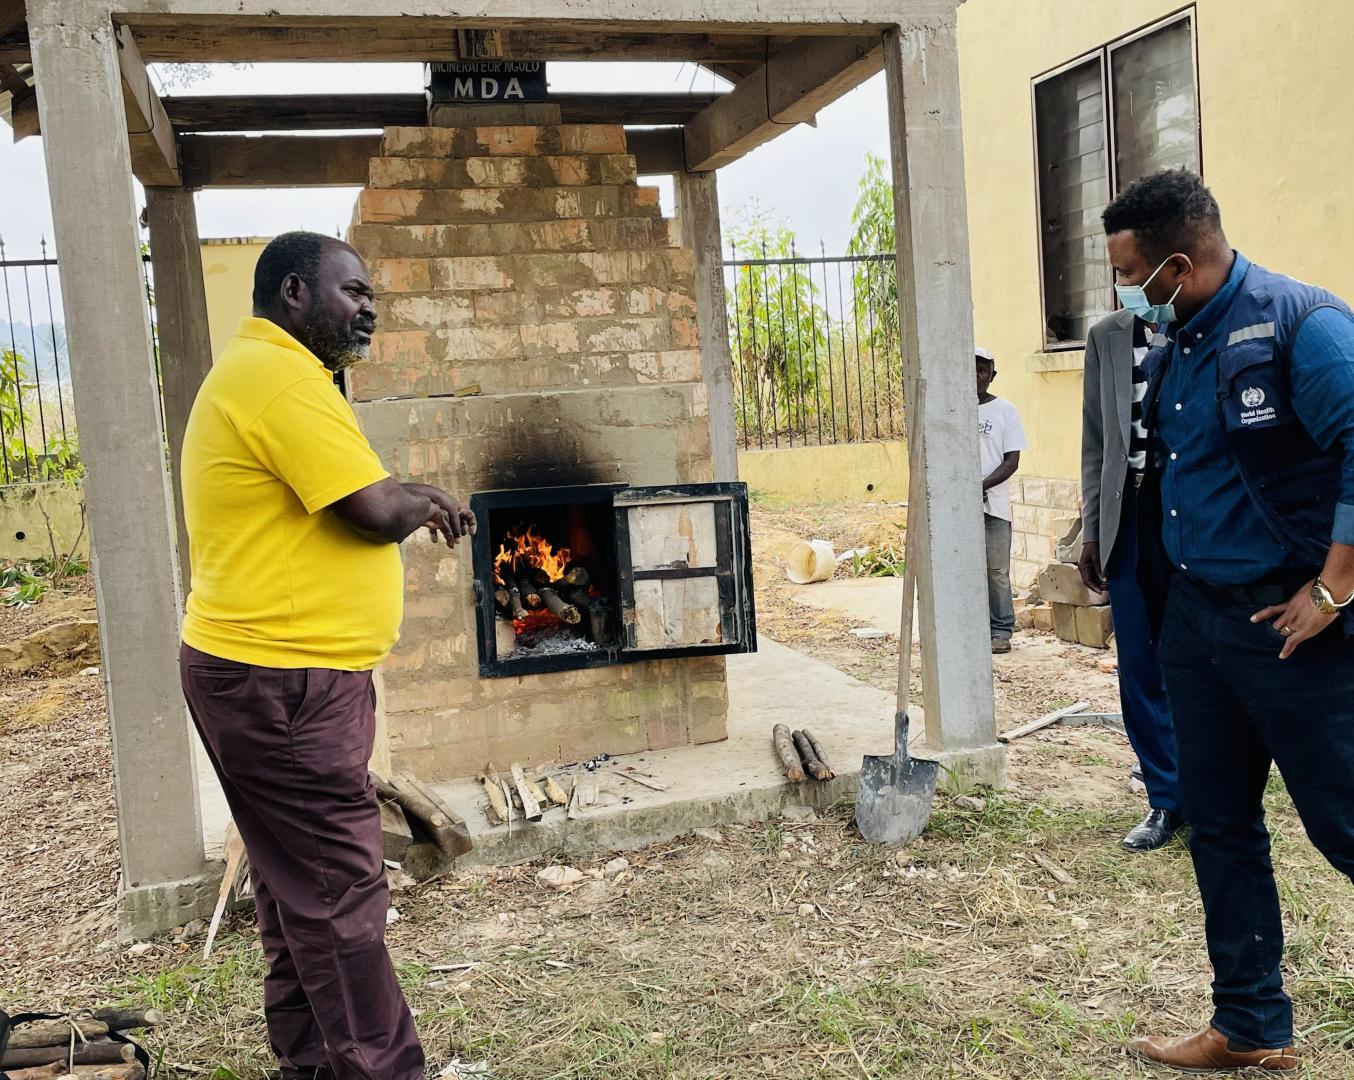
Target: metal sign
{"type": "Point", "coordinates": [502, 81]}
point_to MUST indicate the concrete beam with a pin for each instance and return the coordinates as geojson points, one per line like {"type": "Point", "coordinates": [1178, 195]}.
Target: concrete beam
{"type": "Point", "coordinates": [936, 309]}
{"type": "Point", "coordinates": [181, 321]}
{"type": "Point", "coordinates": [318, 112]}
{"type": "Point", "coordinates": [788, 89]}
{"type": "Point", "coordinates": [343, 160]}
{"type": "Point", "coordinates": [614, 16]}
{"type": "Point", "coordinates": [113, 375]}
{"type": "Point", "coordinates": [698, 215]}
{"type": "Point", "coordinates": [411, 40]}
{"type": "Point", "coordinates": [155, 155]}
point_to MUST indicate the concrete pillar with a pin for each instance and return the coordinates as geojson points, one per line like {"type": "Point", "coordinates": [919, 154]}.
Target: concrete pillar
{"type": "Point", "coordinates": [181, 318]}
{"type": "Point", "coordinates": [79, 90]}
{"type": "Point", "coordinates": [936, 312]}
{"type": "Point", "coordinates": [698, 214]}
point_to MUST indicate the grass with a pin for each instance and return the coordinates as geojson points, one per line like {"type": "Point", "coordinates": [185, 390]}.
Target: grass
{"type": "Point", "coordinates": [792, 950]}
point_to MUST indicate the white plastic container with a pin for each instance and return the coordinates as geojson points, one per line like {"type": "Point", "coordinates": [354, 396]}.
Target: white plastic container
{"type": "Point", "coordinates": [810, 561]}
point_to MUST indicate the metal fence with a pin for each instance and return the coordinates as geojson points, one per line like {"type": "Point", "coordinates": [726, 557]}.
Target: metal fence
{"type": "Point", "coordinates": [817, 355]}
{"type": "Point", "coordinates": [38, 440]}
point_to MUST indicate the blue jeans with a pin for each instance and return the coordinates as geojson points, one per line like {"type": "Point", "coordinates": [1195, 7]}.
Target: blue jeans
{"type": "Point", "coordinates": [1237, 707]}
{"type": "Point", "coordinates": [1000, 607]}
{"type": "Point", "coordinates": [1142, 694]}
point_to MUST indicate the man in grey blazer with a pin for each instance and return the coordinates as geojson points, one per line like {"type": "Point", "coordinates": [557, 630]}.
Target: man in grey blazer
{"type": "Point", "coordinates": [1113, 454]}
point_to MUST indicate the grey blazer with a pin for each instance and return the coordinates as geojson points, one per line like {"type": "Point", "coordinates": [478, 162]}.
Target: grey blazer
{"type": "Point", "coordinates": [1107, 412]}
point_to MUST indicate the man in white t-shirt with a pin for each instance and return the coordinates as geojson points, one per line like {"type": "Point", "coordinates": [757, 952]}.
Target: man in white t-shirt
{"type": "Point", "coordinates": [1001, 438]}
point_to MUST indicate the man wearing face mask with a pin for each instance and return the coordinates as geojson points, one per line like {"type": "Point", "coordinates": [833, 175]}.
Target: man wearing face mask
{"type": "Point", "coordinates": [297, 594]}
{"type": "Point", "coordinates": [1247, 559]}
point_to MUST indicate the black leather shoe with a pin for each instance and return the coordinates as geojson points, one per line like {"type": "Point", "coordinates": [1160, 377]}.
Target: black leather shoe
{"type": "Point", "coordinates": [1154, 831]}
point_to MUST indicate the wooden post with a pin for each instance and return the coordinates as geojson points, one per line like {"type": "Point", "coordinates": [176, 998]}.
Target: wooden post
{"type": "Point", "coordinates": [126, 483]}
{"type": "Point", "coordinates": [936, 312]}
{"type": "Point", "coordinates": [698, 213]}
{"type": "Point", "coordinates": [181, 318]}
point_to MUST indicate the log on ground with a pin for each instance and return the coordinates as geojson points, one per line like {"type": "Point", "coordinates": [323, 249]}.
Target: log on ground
{"type": "Point", "coordinates": [94, 1052]}
{"type": "Point", "coordinates": [783, 744]}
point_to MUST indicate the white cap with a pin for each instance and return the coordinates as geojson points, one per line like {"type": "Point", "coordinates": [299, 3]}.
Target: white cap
{"type": "Point", "coordinates": [983, 354]}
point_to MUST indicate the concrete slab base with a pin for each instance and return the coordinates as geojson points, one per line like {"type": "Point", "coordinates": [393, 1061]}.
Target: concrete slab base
{"type": "Point", "coordinates": [737, 780]}
{"type": "Point", "coordinates": [149, 909]}
{"type": "Point", "coordinates": [966, 769]}
{"type": "Point", "coordinates": [871, 603]}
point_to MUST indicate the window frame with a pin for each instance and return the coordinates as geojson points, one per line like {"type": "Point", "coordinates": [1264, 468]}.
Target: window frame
{"type": "Point", "coordinates": [1103, 54]}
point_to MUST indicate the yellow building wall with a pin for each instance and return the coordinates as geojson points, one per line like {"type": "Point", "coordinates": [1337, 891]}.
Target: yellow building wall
{"type": "Point", "coordinates": [228, 270]}
{"type": "Point", "coordinates": [1278, 152]}
{"type": "Point", "coordinates": [848, 473]}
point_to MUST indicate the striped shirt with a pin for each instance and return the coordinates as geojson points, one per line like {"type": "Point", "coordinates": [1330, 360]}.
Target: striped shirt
{"type": "Point", "coordinates": [1137, 441]}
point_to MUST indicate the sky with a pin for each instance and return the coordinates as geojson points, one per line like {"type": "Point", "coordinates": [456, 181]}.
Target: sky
{"type": "Point", "coordinates": [805, 178]}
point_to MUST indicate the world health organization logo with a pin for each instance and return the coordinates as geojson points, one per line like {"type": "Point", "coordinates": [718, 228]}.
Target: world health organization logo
{"type": "Point", "coordinates": [1252, 397]}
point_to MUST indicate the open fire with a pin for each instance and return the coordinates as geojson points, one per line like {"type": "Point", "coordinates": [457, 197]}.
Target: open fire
{"type": "Point", "coordinates": [550, 599]}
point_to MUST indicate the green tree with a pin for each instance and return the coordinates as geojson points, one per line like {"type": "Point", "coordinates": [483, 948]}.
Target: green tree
{"type": "Point", "coordinates": [872, 233]}
{"type": "Point", "coordinates": [56, 460]}
{"type": "Point", "coordinates": [777, 331]}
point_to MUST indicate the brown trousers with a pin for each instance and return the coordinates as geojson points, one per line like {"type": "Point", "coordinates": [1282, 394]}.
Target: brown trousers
{"type": "Point", "coordinates": [291, 748]}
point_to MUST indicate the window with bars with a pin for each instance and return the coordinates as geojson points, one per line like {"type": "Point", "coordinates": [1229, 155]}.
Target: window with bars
{"type": "Point", "coordinates": [1101, 122]}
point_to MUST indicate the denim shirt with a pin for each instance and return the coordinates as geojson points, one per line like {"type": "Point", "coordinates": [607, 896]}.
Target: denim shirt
{"type": "Point", "coordinates": [1211, 528]}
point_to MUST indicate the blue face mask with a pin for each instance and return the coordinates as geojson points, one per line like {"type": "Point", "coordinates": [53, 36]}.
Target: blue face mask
{"type": "Point", "coordinates": [1134, 299]}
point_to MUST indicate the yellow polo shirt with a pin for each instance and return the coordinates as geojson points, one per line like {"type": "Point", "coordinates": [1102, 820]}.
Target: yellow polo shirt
{"type": "Point", "coordinates": [278, 580]}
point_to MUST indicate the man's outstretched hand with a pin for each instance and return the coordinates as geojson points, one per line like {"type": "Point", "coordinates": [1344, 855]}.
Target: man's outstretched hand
{"type": "Point", "coordinates": [449, 520]}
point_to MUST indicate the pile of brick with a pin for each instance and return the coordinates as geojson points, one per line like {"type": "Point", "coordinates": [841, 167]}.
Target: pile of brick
{"type": "Point", "coordinates": [1079, 615]}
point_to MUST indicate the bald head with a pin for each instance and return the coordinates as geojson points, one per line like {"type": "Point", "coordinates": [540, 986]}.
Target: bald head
{"type": "Point", "coordinates": [317, 289]}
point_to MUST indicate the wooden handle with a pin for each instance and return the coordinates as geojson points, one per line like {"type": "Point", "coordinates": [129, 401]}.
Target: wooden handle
{"type": "Point", "coordinates": [915, 525]}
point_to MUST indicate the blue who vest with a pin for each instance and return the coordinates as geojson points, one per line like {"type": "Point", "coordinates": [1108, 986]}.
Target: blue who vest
{"type": "Point", "coordinates": [1292, 481]}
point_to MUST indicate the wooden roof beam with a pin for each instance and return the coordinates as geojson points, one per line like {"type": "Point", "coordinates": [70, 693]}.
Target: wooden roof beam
{"type": "Point", "coordinates": [155, 157]}
{"type": "Point", "coordinates": [789, 89]}
{"type": "Point", "coordinates": [241, 161]}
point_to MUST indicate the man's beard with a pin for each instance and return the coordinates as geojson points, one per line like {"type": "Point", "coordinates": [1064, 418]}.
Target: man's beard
{"type": "Point", "coordinates": [337, 345]}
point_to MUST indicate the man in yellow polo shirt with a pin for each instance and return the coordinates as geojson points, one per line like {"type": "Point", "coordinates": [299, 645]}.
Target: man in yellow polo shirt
{"type": "Point", "coordinates": [297, 594]}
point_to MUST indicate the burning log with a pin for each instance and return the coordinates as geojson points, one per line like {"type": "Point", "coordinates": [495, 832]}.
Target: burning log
{"type": "Point", "coordinates": [808, 749]}
{"type": "Point", "coordinates": [784, 746]}
{"type": "Point", "coordinates": [515, 602]}
{"type": "Point", "coordinates": [557, 607]}
{"type": "Point", "coordinates": [531, 596]}
{"type": "Point", "coordinates": [600, 621]}
{"type": "Point", "coordinates": [576, 576]}
{"type": "Point", "coordinates": [502, 598]}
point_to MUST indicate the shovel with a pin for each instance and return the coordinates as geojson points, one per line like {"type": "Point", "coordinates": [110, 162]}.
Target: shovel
{"type": "Point", "coordinates": [893, 801]}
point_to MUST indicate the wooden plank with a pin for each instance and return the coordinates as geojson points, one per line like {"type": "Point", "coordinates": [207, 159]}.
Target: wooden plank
{"type": "Point", "coordinates": [1047, 720]}
{"type": "Point", "coordinates": [421, 40]}
{"type": "Point", "coordinates": [314, 112]}
{"type": "Point", "coordinates": [155, 154]}
{"type": "Point", "coordinates": [788, 89]}
{"type": "Point", "coordinates": [340, 160]}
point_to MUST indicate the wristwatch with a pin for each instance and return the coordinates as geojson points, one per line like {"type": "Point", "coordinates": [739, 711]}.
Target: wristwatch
{"type": "Point", "coordinates": [1324, 600]}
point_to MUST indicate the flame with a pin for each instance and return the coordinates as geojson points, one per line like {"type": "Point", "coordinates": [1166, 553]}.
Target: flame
{"type": "Point", "coordinates": [529, 550]}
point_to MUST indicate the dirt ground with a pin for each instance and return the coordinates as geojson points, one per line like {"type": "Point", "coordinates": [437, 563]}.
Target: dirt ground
{"type": "Point", "coordinates": [1013, 940]}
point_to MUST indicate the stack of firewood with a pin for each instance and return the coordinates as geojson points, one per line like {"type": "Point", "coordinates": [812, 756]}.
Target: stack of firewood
{"type": "Point", "coordinates": [413, 812]}
{"type": "Point", "coordinates": [524, 797]}
{"type": "Point", "coordinates": [77, 1046]}
{"type": "Point", "coordinates": [568, 599]}
{"type": "Point", "coordinates": [800, 755]}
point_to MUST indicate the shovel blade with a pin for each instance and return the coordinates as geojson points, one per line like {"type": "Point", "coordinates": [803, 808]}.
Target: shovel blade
{"type": "Point", "coordinates": [893, 801]}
